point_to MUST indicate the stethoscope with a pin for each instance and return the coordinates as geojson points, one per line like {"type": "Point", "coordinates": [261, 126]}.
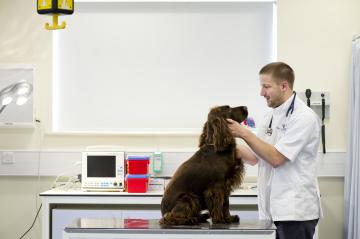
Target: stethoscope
{"type": "Point", "coordinates": [290, 110]}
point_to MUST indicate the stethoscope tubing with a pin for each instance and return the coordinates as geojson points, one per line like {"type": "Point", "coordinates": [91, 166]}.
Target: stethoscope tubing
{"type": "Point", "coordinates": [289, 110]}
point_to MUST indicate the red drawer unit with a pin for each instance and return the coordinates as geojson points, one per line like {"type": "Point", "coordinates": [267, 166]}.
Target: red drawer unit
{"type": "Point", "coordinates": [137, 183]}
{"type": "Point", "coordinates": [138, 164]}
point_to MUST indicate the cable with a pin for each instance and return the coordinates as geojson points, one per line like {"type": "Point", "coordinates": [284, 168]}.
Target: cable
{"type": "Point", "coordinates": [37, 213]}
{"type": "Point", "coordinates": [323, 124]}
{"type": "Point", "coordinates": [41, 138]}
{"type": "Point", "coordinates": [70, 179]}
{"type": "Point", "coordinates": [308, 95]}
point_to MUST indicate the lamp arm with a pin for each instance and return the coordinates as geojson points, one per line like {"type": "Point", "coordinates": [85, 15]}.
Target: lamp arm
{"type": "Point", "coordinates": [2, 108]}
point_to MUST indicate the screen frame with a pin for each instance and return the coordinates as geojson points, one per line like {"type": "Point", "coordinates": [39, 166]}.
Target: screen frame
{"type": "Point", "coordinates": [97, 182]}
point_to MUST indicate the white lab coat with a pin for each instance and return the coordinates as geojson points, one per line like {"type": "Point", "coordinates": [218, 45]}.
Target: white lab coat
{"type": "Point", "coordinates": [290, 191]}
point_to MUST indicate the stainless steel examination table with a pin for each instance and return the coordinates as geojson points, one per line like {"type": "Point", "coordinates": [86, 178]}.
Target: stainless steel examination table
{"type": "Point", "coordinates": [150, 229]}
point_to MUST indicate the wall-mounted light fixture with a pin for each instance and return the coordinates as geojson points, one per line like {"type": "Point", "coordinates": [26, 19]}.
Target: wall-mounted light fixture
{"type": "Point", "coordinates": [18, 92]}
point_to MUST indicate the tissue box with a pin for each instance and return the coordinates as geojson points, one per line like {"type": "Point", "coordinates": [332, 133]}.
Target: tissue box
{"type": "Point", "coordinates": [156, 184]}
{"type": "Point", "coordinates": [138, 164]}
{"type": "Point", "coordinates": [137, 183]}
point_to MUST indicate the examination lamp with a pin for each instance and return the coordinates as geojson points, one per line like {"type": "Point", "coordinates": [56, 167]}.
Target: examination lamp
{"type": "Point", "coordinates": [20, 92]}
{"type": "Point", "coordinates": [55, 8]}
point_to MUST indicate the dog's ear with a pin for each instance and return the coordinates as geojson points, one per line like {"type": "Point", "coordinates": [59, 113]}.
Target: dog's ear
{"type": "Point", "coordinates": [202, 139]}
{"type": "Point", "coordinates": [219, 134]}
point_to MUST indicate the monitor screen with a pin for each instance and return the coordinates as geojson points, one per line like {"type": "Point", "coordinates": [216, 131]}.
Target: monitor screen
{"type": "Point", "coordinates": [101, 166]}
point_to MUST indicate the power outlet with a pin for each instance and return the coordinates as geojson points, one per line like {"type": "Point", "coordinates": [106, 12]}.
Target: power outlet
{"type": "Point", "coordinates": [7, 158]}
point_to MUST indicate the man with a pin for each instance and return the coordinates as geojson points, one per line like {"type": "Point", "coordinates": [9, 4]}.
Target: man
{"type": "Point", "coordinates": [285, 150]}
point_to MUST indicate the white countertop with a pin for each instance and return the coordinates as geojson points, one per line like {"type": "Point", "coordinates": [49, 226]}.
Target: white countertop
{"type": "Point", "coordinates": [245, 190]}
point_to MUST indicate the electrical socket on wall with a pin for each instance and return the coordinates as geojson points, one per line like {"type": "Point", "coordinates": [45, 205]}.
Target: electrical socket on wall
{"type": "Point", "coordinates": [7, 158]}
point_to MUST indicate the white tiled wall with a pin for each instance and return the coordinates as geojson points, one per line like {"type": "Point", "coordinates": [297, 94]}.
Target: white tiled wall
{"type": "Point", "coordinates": [53, 163]}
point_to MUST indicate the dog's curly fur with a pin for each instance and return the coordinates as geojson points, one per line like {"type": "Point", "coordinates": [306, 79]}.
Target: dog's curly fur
{"type": "Point", "coordinates": [205, 181]}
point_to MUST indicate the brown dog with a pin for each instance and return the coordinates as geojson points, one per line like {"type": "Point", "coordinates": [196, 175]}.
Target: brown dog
{"type": "Point", "coordinates": [205, 181]}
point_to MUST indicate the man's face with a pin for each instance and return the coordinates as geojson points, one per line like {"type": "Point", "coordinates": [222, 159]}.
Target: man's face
{"type": "Point", "coordinates": [271, 90]}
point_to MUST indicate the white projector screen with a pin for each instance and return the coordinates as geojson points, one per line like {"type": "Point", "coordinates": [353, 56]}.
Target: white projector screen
{"type": "Point", "coordinates": [157, 68]}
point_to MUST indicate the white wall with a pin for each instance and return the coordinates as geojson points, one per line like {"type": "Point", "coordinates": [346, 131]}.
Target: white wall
{"type": "Point", "coordinates": [314, 36]}
{"type": "Point", "coordinates": [150, 63]}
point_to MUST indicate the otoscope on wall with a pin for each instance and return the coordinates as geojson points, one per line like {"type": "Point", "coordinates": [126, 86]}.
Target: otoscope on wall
{"type": "Point", "coordinates": [308, 95]}
{"type": "Point", "coordinates": [316, 104]}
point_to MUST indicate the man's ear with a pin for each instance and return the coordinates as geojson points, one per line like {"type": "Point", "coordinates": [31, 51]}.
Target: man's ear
{"type": "Point", "coordinates": [284, 85]}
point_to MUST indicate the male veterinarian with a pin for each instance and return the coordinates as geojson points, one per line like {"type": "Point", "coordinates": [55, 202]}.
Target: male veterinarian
{"type": "Point", "coordinates": [285, 150]}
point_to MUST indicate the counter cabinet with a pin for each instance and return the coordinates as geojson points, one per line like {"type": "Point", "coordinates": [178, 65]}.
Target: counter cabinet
{"type": "Point", "coordinates": [61, 207]}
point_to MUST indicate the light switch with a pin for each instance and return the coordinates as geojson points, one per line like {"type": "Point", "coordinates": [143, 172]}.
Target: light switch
{"type": "Point", "coordinates": [7, 158]}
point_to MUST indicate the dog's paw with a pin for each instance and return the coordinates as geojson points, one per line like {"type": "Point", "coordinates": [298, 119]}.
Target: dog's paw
{"type": "Point", "coordinates": [161, 221]}
{"type": "Point", "coordinates": [226, 220]}
{"type": "Point", "coordinates": [166, 220]}
{"type": "Point", "coordinates": [234, 219]}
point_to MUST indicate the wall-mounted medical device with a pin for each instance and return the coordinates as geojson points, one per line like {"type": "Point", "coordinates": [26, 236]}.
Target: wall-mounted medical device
{"type": "Point", "coordinates": [319, 101]}
{"type": "Point", "coordinates": [316, 99]}
{"type": "Point", "coordinates": [103, 171]}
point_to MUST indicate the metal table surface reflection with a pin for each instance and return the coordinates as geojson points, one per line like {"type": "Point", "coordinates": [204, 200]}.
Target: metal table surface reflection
{"type": "Point", "coordinates": [115, 228]}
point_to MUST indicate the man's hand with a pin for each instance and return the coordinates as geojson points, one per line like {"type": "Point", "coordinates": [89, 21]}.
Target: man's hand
{"type": "Point", "coordinates": [236, 129]}
{"type": "Point", "coordinates": [264, 150]}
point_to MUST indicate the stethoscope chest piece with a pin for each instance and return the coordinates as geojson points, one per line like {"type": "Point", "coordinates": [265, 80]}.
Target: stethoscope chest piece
{"type": "Point", "coordinates": [268, 131]}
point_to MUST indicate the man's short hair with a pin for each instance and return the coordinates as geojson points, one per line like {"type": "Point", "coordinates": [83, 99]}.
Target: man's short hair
{"type": "Point", "coordinates": [279, 71]}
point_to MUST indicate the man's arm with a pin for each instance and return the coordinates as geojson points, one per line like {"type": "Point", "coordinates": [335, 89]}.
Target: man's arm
{"type": "Point", "coordinates": [264, 150]}
{"type": "Point", "coordinates": [246, 155]}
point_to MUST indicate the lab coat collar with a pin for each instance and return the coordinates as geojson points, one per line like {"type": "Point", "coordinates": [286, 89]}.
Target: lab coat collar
{"type": "Point", "coordinates": [281, 109]}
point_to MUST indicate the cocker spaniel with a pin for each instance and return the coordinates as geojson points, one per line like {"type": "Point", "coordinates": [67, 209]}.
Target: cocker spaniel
{"type": "Point", "coordinates": [205, 181]}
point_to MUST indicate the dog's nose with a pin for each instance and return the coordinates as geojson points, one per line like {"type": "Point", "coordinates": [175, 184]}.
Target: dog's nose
{"type": "Point", "coordinates": [244, 109]}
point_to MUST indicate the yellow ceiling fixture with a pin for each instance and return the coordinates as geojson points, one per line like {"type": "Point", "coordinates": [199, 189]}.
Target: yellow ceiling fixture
{"type": "Point", "coordinates": [55, 8]}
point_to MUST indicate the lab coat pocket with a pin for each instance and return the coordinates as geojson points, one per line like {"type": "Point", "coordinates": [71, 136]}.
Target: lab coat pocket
{"type": "Point", "coordinates": [282, 202]}
{"type": "Point", "coordinates": [281, 131]}
{"type": "Point", "coordinates": [307, 202]}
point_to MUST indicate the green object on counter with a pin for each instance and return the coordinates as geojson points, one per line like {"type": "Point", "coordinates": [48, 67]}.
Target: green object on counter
{"type": "Point", "coordinates": [157, 162]}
